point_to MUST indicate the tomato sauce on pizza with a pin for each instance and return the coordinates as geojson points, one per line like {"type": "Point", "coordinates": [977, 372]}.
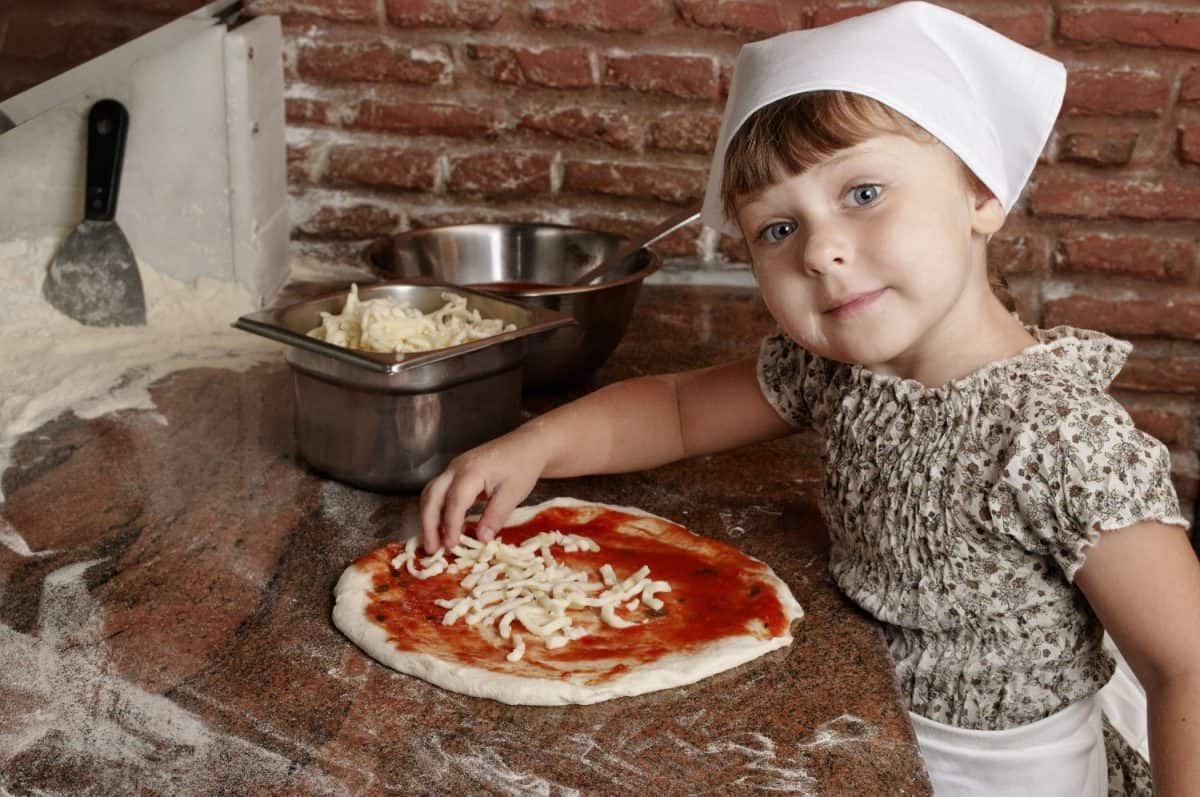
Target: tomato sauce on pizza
{"type": "Point", "coordinates": [717, 593]}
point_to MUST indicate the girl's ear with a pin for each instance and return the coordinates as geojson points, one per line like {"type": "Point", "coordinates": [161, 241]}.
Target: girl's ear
{"type": "Point", "coordinates": [987, 214]}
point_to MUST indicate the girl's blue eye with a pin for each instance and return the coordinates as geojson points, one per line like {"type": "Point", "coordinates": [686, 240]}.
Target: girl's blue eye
{"type": "Point", "coordinates": [863, 195]}
{"type": "Point", "coordinates": [774, 233]}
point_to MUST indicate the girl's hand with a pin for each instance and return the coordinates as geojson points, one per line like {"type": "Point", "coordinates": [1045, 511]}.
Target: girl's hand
{"type": "Point", "coordinates": [632, 425]}
{"type": "Point", "coordinates": [501, 472]}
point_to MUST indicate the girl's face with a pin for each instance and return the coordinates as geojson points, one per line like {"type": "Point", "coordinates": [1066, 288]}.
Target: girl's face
{"type": "Point", "coordinates": [875, 255]}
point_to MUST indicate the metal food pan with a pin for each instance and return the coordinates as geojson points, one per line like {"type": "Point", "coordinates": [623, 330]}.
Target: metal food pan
{"type": "Point", "coordinates": [410, 372]}
{"type": "Point", "coordinates": [390, 422]}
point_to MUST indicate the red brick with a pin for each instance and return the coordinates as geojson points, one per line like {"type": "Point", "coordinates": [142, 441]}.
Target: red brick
{"type": "Point", "coordinates": [603, 15]}
{"type": "Point", "coordinates": [1103, 198]}
{"type": "Point", "coordinates": [734, 248]}
{"type": "Point", "coordinates": [1018, 254]}
{"type": "Point", "coordinates": [298, 151]}
{"type": "Point", "coordinates": [685, 132]}
{"type": "Point", "coordinates": [577, 124]}
{"type": "Point", "coordinates": [1189, 145]}
{"type": "Point", "coordinates": [300, 165]}
{"type": "Point", "coordinates": [475, 14]}
{"type": "Point", "coordinates": [755, 17]}
{"type": "Point", "coordinates": [339, 10]}
{"type": "Point", "coordinates": [304, 111]}
{"type": "Point", "coordinates": [1173, 375]}
{"type": "Point", "coordinates": [1028, 28]}
{"type": "Point", "coordinates": [1134, 27]}
{"type": "Point", "coordinates": [422, 216]}
{"type": "Point", "coordinates": [435, 118]}
{"type": "Point", "coordinates": [827, 16]}
{"type": "Point", "coordinates": [554, 67]}
{"type": "Point", "coordinates": [496, 63]}
{"type": "Point", "coordinates": [681, 243]}
{"type": "Point", "coordinates": [1189, 87]}
{"type": "Point", "coordinates": [1113, 149]}
{"type": "Point", "coordinates": [374, 61]}
{"type": "Point", "coordinates": [685, 76]}
{"type": "Point", "coordinates": [1163, 318]}
{"type": "Point", "coordinates": [392, 167]}
{"type": "Point", "coordinates": [1141, 256]}
{"type": "Point", "coordinates": [1163, 425]}
{"type": "Point", "coordinates": [724, 78]}
{"type": "Point", "coordinates": [1115, 92]}
{"type": "Point", "coordinates": [1186, 489]}
{"type": "Point", "coordinates": [613, 225]}
{"type": "Point", "coordinates": [557, 67]}
{"type": "Point", "coordinates": [500, 173]}
{"type": "Point", "coordinates": [670, 184]}
{"type": "Point", "coordinates": [350, 222]}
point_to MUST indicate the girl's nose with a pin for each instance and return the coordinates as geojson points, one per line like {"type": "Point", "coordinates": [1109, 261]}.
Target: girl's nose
{"type": "Point", "coordinates": [826, 248]}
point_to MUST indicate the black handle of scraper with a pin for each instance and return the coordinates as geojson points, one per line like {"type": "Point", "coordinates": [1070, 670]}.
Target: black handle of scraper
{"type": "Point", "coordinates": [108, 122]}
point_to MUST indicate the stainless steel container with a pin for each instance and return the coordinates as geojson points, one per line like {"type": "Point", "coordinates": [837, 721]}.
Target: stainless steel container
{"type": "Point", "coordinates": [393, 421]}
{"type": "Point", "coordinates": [532, 263]}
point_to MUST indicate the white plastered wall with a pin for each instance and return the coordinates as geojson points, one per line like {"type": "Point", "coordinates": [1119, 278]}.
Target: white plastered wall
{"type": "Point", "coordinates": [203, 190]}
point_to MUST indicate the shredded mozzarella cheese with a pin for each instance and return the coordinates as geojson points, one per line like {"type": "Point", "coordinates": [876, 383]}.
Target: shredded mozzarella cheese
{"type": "Point", "coordinates": [525, 584]}
{"type": "Point", "coordinates": [390, 326]}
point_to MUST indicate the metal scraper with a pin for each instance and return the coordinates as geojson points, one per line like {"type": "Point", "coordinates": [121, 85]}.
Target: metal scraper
{"type": "Point", "coordinates": [94, 277]}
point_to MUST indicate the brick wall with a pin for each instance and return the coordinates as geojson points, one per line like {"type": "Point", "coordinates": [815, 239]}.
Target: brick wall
{"type": "Point", "coordinates": [601, 113]}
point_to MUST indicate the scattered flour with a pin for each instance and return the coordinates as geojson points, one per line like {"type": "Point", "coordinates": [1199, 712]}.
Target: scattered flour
{"type": "Point", "coordinates": [50, 364]}
{"type": "Point", "coordinates": [618, 755]}
{"type": "Point", "coordinates": [16, 543]}
{"type": "Point", "coordinates": [64, 692]}
{"type": "Point", "coordinates": [844, 730]}
{"type": "Point", "coordinates": [762, 765]}
{"type": "Point", "coordinates": [487, 769]}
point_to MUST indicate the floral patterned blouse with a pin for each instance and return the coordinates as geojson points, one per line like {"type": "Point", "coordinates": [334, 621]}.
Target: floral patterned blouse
{"type": "Point", "coordinates": [959, 515]}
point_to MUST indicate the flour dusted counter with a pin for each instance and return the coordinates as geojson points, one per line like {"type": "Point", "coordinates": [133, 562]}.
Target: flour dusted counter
{"type": "Point", "coordinates": [165, 592]}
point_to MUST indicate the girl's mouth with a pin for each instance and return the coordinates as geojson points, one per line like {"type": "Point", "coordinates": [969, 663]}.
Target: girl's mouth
{"type": "Point", "coordinates": [853, 303]}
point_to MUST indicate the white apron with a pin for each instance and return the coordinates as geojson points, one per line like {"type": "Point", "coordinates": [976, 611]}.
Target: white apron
{"type": "Point", "coordinates": [1062, 754]}
{"type": "Point", "coordinates": [1123, 702]}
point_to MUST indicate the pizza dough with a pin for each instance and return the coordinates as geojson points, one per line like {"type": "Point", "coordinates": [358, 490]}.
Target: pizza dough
{"type": "Point", "coordinates": [710, 608]}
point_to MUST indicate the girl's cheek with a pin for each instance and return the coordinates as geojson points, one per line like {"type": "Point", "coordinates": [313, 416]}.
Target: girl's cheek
{"type": "Point", "coordinates": [772, 288]}
{"type": "Point", "coordinates": [790, 305]}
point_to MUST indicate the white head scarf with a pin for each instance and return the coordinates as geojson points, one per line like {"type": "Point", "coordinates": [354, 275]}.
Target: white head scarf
{"type": "Point", "coordinates": [990, 100]}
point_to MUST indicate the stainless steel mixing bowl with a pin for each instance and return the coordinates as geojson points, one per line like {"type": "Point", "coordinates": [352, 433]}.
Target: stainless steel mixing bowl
{"type": "Point", "coordinates": [532, 263]}
{"type": "Point", "coordinates": [393, 421]}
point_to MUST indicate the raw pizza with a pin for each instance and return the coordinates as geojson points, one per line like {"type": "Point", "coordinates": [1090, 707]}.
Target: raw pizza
{"type": "Point", "coordinates": [572, 603]}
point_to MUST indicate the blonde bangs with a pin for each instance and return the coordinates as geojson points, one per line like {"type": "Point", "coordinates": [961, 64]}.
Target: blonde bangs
{"type": "Point", "coordinates": [794, 134]}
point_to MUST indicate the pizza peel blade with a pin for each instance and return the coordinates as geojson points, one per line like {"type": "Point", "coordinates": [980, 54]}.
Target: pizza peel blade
{"type": "Point", "coordinates": [94, 276]}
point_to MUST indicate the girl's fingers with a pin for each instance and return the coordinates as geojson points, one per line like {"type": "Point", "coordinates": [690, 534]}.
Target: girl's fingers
{"type": "Point", "coordinates": [432, 499]}
{"type": "Point", "coordinates": [504, 501]}
{"type": "Point", "coordinates": [459, 499]}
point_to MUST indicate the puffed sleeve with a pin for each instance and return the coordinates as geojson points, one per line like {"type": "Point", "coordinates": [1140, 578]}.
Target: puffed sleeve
{"type": "Point", "coordinates": [1079, 469]}
{"type": "Point", "coordinates": [782, 373]}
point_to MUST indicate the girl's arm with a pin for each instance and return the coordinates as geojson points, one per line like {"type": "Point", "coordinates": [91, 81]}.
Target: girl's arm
{"type": "Point", "coordinates": [1143, 582]}
{"type": "Point", "coordinates": [631, 425]}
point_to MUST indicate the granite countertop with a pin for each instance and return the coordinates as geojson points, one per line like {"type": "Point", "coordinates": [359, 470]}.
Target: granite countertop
{"type": "Point", "coordinates": [164, 623]}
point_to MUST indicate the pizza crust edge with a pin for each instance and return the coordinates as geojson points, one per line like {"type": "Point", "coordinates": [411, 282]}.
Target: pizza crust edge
{"type": "Point", "coordinates": [349, 616]}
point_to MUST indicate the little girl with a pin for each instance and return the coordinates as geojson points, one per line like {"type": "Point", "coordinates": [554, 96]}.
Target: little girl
{"type": "Point", "coordinates": [987, 500]}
